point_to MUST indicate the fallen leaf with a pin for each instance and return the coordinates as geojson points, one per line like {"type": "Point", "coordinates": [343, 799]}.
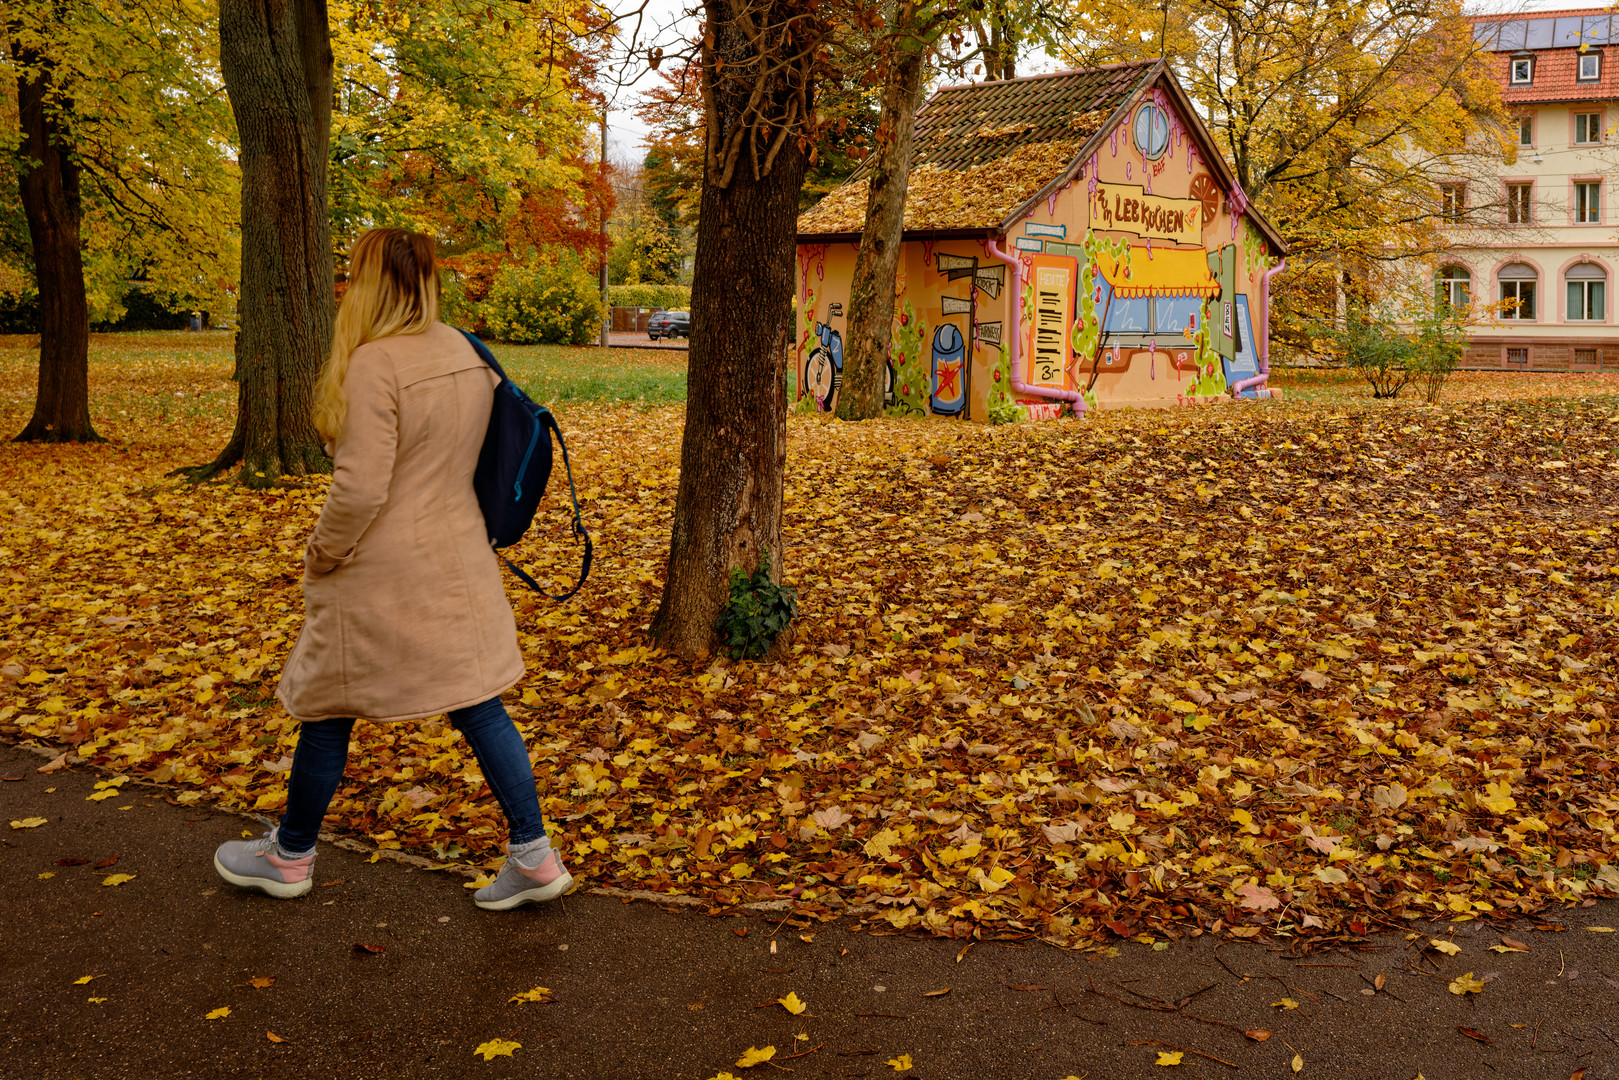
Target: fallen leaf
{"type": "Point", "coordinates": [1600, 929]}
{"type": "Point", "coordinates": [104, 863]}
{"type": "Point", "coordinates": [219, 1013]}
{"type": "Point", "coordinates": [1449, 948]}
{"type": "Point", "coordinates": [1380, 982]}
{"type": "Point", "coordinates": [1298, 1062]}
{"type": "Point", "coordinates": [28, 822]}
{"type": "Point", "coordinates": [1472, 1033]}
{"type": "Point", "coordinates": [901, 1063]}
{"type": "Point", "coordinates": [260, 982]}
{"type": "Point", "coordinates": [1285, 1003]}
{"type": "Point", "coordinates": [1258, 1034]}
{"type": "Point", "coordinates": [1257, 897]}
{"type": "Point", "coordinates": [937, 993]}
{"type": "Point", "coordinates": [1465, 984]}
{"type": "Point", "coordinates": [1169, 1057]}
{"type": "Point", "coordinates": [95, 1000]}
{"type": "Point", "coordinates": [792, 1003]}
{"type": "Point", "coordinates": [360, 946]}
{"type": "Point", "coordinates": [755, 1055]}
{"type": "Point", "coordinates": [539, 993]}
{"type": "Point", "coordinates": [71, 862]}
{"type": "Point", "coordinates": [117, 879]}
{"type": "Point", "coordinates": [273, 1037]}
{"type": "Point", "coordinates": [1511, 944]}
{"type": "Point", "coordinates": [496, 1048]}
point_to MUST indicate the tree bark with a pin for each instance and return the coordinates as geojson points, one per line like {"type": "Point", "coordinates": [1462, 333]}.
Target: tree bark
{"type": "Point", "coordinates": [276, 57]}
{"type": "Point", "coordinates": [48, 182]}
{"type": "Point", "coordinates": [871, 292]}
{"type": "Point", "coordinates": [734, 450]}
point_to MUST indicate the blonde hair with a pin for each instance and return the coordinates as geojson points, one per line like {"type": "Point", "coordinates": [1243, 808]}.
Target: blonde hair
{"type": "Point", "coordinates": [392, 289]}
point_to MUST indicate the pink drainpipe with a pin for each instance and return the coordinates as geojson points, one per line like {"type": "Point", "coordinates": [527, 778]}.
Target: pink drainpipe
{"type": "Point", "coordinates": [1073, 397]}
{"type": "Point", "coordinates": [1264, 319]}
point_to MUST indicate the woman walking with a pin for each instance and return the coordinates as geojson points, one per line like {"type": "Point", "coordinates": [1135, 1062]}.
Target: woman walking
{"type": "Point", "coordinates": [406, 615]}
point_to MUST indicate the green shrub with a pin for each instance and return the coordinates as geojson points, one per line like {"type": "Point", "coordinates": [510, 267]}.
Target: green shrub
{"type": "Point", "coordinates": [551, 301]}
{"type": "Point", "coordinates": [759, 610]}
{"type": "Point", "coordinates": [671, 297]}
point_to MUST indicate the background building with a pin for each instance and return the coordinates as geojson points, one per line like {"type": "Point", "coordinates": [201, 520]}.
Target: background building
{"type": "Point", "coordinates": [1539, 237]}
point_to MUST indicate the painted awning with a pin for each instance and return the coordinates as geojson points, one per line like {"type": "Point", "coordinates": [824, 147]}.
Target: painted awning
{"type": "Point", "coordinates": [1166, 272]}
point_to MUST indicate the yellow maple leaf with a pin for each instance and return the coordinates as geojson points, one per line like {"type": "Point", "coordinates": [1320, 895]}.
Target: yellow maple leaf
{"type": "Point", "coordinates": [539, 993]}
{"type": "Point", "coordinates": [496, 1048]}
{"type": "Point", "coordinates": [1285, 1003]}
{"type": "Point", "coordinates": [117, 879]}
{"type": "Point", "coordinates": [1449, 948]}
{"type": "Point", "coordinates": [100, 795]}
{"type": "Point", "coordinates": [260, 982]}
{"type": "Point", "coordinates": [82, 979]}
{"type": "Point", "coordinates": [1497, 797]}
{"type": "Point", "coordinates": [792, 1003]}
{"type": "Point", "coordinates": [1169, 1057]}
{"type": "Point", "coordinates": [1466, 984]}
{"type": "Point", "coordinates": [219, 1013]}
{"type": "Point", "coordinates": [27, 823]}
{"type": "Point", "coordinates": [755, 1055]}
{"type": "Point", "coordinates": [901, 1063]}
{"type": "Point", "coordinates": [95, 1001]}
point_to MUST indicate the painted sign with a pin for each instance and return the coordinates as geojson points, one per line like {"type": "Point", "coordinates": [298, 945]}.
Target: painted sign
{"type": "Point", "coordinates": [955, 305]}
{"type": "Point", "coordinates": [1027, 243]}
{"type": "Point", "coordinates": [989, 332]}
{"type": "Point", "coordinates": [1129, 209]}
{"type": "Point", "coordinates": [990, 279]}
{"type": "Point", "coordinates": [1031, 228]}
{"type": "Point", "coordinates": [954, 267]}
{"type": "Point", "coordinates": [1053, 277]}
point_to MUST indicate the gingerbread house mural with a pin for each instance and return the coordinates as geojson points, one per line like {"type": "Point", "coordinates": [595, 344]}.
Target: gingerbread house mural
{"type": "Point", "coordinates": [1072, 240]}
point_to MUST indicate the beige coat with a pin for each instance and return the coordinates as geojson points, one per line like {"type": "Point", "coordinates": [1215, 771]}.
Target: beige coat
{"type": "Point", "coordinates": [405, 612]}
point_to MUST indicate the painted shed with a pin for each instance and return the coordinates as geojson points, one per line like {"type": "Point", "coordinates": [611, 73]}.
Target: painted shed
{"type": "Point", "coordinates": [1073, 238]}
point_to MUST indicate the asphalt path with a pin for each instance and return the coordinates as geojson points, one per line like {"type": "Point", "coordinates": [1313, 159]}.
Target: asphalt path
{"type": "Point", "coordinates": [388, 970]}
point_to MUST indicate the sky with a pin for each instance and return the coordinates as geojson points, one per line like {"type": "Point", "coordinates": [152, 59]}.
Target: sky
{"type": "Point", "coordinates": [663, 20]}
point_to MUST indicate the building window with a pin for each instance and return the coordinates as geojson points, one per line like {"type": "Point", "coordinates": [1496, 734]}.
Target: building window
{"type": "Point", "coordinates": [1520, 201]}
{"type": "Point", "coordinates": [1587, 293]}
{"type": "Point", "coordinates": [1526, 131]}
{"type": "Point", "coordinates": [1518, 356]}
{"type": "Point", "coordinates": [1590, 67]}
{"type": "Point", "coordinates": [1585, 358]}
{"type": "Point", "coordinates": [1523, 71]}
{"type": "Point", "coordinates": [1151, 131]}
{"type": "Point", "coordinates": [1452, 202]}
{"type": "Point", "coordinates": [1518, 292]}
{"type": "Point", "coordinates": [1587, 128]}
{"type": "Point", "coordinates": [1455, 288]}
{"type": "Point", "coordinates": [1588, 202]}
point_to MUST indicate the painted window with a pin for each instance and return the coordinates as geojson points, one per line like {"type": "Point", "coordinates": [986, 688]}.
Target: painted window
{"type": "Point", "coordinates": [1590, 67]}
{"type": "Point", "coordinates": [1587, 293]}
{"type": "Point", "coordinates": [1520, 202]}
{"type": "Point", "coordinates": [1587, 128]}
{"type": "Point", "coordinates": [1518, 292]}
{"type": "Point", "coordinates": [1176, 314]}
{"type": "Point", "coordinates": [1526, 131]}
{"type": "Point", "coordinates": [1588, 202]}
{"type": "Point", "coordinates": [1245, 361]}
{"type": "Point", "coordinates": [1151, 131]}
{"type": "Point", "coordinates": [1129, 315]}
{"type": "Point", "coordinates": [1452, 202]}
{"type": "Point", "coordinates": [1523, 71]}
{"type": "Point", "coordinates": [1455, 287]}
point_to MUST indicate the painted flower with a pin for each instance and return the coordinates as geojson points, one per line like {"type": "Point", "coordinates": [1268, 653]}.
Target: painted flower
{"type": "Point", "coordinates": [997, 374]}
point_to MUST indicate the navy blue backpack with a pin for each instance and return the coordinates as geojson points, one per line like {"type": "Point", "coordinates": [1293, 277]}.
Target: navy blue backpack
{"type": "Point", "coordinates": [514, 467]}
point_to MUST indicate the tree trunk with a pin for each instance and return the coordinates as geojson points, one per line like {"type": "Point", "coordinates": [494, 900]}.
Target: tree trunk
{"type": "Point", "coordinates": [50, 199]}
{"type": "Point", "coordinates": [728, 507]}
{"type": "Point", "coordinates": [871, 292]}
{"type": "Point", "coordinates": [276, 56]}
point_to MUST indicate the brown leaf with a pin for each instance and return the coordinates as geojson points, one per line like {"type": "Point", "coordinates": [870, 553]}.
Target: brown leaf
{"type": "Point", "coordinates": [360, 946]}
{"type": "Point", "coordinates": [1258, 1034]}
{"type": "Point", "coordinates": [273, 1037]}
{"type": "Point", "coordinates": [937, 993]}
{"type": "Point", "coordinates": [1472, 1033]}
{"type": "Point", "coordinates": [260, 982]}
{"type": "Point", "coordinates": [1381, 981]}
{"type": "Point", "coordinates": [104, 863]}
{"type": "Point", "coordinates": [71, 862]}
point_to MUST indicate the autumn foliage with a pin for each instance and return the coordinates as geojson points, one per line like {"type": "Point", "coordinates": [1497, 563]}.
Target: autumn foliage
{"type": "Point", "coordinates": [1322, 664]}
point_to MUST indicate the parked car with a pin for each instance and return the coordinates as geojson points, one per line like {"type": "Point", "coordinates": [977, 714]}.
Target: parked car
{"type": "Point", "coordinates": [669, 324]}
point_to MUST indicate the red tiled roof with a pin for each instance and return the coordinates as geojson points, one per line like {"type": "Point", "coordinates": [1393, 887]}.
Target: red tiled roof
{"type": "Point", "coordinates": [1554, 78]}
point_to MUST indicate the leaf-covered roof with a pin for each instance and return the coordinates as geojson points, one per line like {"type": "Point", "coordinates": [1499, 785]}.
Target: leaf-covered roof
{"type": "Point", "coordinates": [981, 150]}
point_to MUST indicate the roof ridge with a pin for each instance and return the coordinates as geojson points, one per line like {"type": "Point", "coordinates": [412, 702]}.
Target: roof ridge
{"type": "Point", "coordinates": [1525, 16]}
{"type": "Point", "coordinates": [1049, 75]}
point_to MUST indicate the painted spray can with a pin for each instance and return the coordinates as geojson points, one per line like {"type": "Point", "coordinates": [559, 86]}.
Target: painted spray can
{"type": "Point", "coordinates": [949, 395]}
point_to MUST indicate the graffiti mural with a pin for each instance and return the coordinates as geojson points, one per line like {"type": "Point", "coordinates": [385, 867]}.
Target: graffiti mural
{"type": "Point", "coordinates": [823, 373]}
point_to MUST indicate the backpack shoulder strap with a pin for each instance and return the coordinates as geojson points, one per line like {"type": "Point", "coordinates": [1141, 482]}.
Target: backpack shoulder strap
{"type": "Point", "coordinates": [579, 531]}
{"type": "Point", "coordinates": [484, 354]}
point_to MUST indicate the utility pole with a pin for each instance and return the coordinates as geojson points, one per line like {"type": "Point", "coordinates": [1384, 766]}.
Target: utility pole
{"type": "Point", "coordinates": [607, 307]}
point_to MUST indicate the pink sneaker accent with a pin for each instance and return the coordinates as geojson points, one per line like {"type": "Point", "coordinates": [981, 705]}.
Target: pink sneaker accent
{"type": "Point", "coordinates": [545, 873]}
{"type": "Point", "coordinates": [293, 871]}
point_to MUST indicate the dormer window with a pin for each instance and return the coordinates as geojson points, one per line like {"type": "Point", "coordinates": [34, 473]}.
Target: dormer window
{"type": "Point", "coordinates": [1590, 67]}
{"type": "Point", "coordinates": [1523, 70]}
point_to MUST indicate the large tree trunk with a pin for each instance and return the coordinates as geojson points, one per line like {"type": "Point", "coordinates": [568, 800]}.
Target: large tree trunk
{"type": "Point", "coordinates": [728, 507]}
{"type": "Point", "coordinates": [871, 293]}
{"type": "Point", "coordinates": [50, 199]}
{"type": "Point", "coordinates": [276, 57]}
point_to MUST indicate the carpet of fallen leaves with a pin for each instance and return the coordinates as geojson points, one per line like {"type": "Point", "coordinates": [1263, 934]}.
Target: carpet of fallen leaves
{"type": "Point", "coordinates": [1318, 663]}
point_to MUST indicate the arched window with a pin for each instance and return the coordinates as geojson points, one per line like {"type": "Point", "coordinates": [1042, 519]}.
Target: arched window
{"type": "Point", "coordinates": [1151, 131]}
{"type": "Point", "coordinates": [1587, 293]}
{"type": "Point", "coordinates": [1455, 287]}
{"type": "Point", "coordinates": [1518, 291]}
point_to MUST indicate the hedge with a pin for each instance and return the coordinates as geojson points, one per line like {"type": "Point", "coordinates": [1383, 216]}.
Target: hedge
{"type": "Point", "coordinates": [671, 297]}
{"type": "Point", "coordinates": [548, 302]}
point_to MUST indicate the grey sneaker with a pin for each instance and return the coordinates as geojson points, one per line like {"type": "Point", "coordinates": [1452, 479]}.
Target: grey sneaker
{"type": "Point", "coordinates": [517, 885]}
{"type": "Point", "coordinates": [262, 864]}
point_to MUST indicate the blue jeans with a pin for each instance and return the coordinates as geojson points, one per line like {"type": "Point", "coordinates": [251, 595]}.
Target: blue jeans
{"type": "Point", "coordinates": [323, 750]}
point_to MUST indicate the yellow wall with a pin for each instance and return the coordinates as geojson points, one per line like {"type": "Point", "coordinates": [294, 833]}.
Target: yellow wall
{"type": "Point", "coordinates": [1149, 235]}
